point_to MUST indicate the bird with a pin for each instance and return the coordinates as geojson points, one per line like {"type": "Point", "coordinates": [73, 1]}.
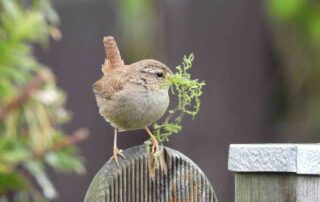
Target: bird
{"type": "Point", "coordinates": [131, 97]}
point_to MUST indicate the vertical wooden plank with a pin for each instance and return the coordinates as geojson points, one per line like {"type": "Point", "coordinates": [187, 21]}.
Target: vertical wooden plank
{"type": "Point", "coordinates": [266, 187]}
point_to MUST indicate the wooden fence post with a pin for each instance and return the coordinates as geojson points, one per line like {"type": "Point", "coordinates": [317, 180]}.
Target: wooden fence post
{"type": "Point", "coordinates": [134, 180]}
{"type": "Point", "coordinates": [276, 172]}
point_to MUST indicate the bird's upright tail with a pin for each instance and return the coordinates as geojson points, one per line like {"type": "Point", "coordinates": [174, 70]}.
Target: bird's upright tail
{"type": "Point", "coordinates": [113, 59]}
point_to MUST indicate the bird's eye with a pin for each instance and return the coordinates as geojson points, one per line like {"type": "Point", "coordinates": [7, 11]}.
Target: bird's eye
{"type": "Point", "coordinates": [159, 74]}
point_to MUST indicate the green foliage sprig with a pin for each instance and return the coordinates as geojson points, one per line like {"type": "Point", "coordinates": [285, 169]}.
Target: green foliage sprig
{"type": "Point", "coordinates": [188, 91]}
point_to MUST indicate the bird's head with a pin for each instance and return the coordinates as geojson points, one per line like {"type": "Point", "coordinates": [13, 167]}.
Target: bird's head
{"type": "Point", "coordinates": [152, 72]}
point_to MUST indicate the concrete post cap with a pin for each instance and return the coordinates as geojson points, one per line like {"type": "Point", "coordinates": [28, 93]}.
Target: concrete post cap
{"type": "Point", "coordinates": [293, 158]}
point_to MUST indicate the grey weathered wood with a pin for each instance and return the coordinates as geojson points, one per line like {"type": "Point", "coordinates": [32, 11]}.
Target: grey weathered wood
{"type": "Point", "coordinates": [276, 172]}
{"type": "Point", "coordinates": [180, 180]}
{"type": "Point", "coordinates": [276, 187]}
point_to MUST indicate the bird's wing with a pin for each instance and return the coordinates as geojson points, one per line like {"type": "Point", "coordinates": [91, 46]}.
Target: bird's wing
{"type": "Point", "coordinates": [108, 85]}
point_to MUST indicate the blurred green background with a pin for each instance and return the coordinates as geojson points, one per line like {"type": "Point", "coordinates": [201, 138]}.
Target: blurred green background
{"type": "Point", "coordinates": [295, 31]}
{"type": "Point", "coordinates": [260, 60]}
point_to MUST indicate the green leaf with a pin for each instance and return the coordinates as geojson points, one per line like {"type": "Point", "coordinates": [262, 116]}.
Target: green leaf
{"type": "Point", "coordinates": [11, 182]}
{"type": "Point", "coordinates": [64, 161]}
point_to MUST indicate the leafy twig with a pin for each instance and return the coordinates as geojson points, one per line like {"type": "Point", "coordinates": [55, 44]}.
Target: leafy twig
{"type": "Point", "coordinates": [188, 92]}
{"type": "Point", "coordinates": [25, 92]}
{"type": "Point", "coordinates": [76, 137]}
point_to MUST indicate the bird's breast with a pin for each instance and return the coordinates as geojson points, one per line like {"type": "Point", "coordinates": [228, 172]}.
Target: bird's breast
{"type": "Point", "coordinates": [132, 109]}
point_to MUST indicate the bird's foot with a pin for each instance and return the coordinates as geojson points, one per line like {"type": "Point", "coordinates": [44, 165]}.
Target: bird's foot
{"type": "Point", "coordinates": [117, 152]}
{"type": "Point", "coordinates": [155, 150]}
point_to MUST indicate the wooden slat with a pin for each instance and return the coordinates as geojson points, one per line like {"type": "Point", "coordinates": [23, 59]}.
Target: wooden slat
{"type": "Point", "coordinates": [266, 187]}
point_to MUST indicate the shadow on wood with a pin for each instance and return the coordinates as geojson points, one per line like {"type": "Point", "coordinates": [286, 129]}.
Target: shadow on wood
{"type": "Point", "coordinates": [183, 181]}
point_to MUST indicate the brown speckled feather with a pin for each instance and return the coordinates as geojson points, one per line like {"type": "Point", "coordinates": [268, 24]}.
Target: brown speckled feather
{"type": "Point", "coordinates": [110, 84]}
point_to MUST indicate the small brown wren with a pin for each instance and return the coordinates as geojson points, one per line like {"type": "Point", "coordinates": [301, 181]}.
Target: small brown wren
{"type": "Point", "coordinates": [131, 97]}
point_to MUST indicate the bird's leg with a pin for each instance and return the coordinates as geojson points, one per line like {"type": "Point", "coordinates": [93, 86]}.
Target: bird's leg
{"type": "Point", "coordinates": [116, 151]}
{"type": "Point", "coordinates": [154, 141]}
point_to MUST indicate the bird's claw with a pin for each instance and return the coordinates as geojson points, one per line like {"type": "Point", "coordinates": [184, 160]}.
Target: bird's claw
{"type": "Point", "coordinates": [117, 152]}
{"type": "Point", "coordinates": [155, 147]}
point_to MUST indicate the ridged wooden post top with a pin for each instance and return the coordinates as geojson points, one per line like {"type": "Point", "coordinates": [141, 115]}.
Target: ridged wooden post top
{"type": "Point", "coordinates": [182, 181]}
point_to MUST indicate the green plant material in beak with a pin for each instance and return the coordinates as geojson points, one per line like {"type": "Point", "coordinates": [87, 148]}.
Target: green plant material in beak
{"type": "Point", "coordinates": [188, 91]}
